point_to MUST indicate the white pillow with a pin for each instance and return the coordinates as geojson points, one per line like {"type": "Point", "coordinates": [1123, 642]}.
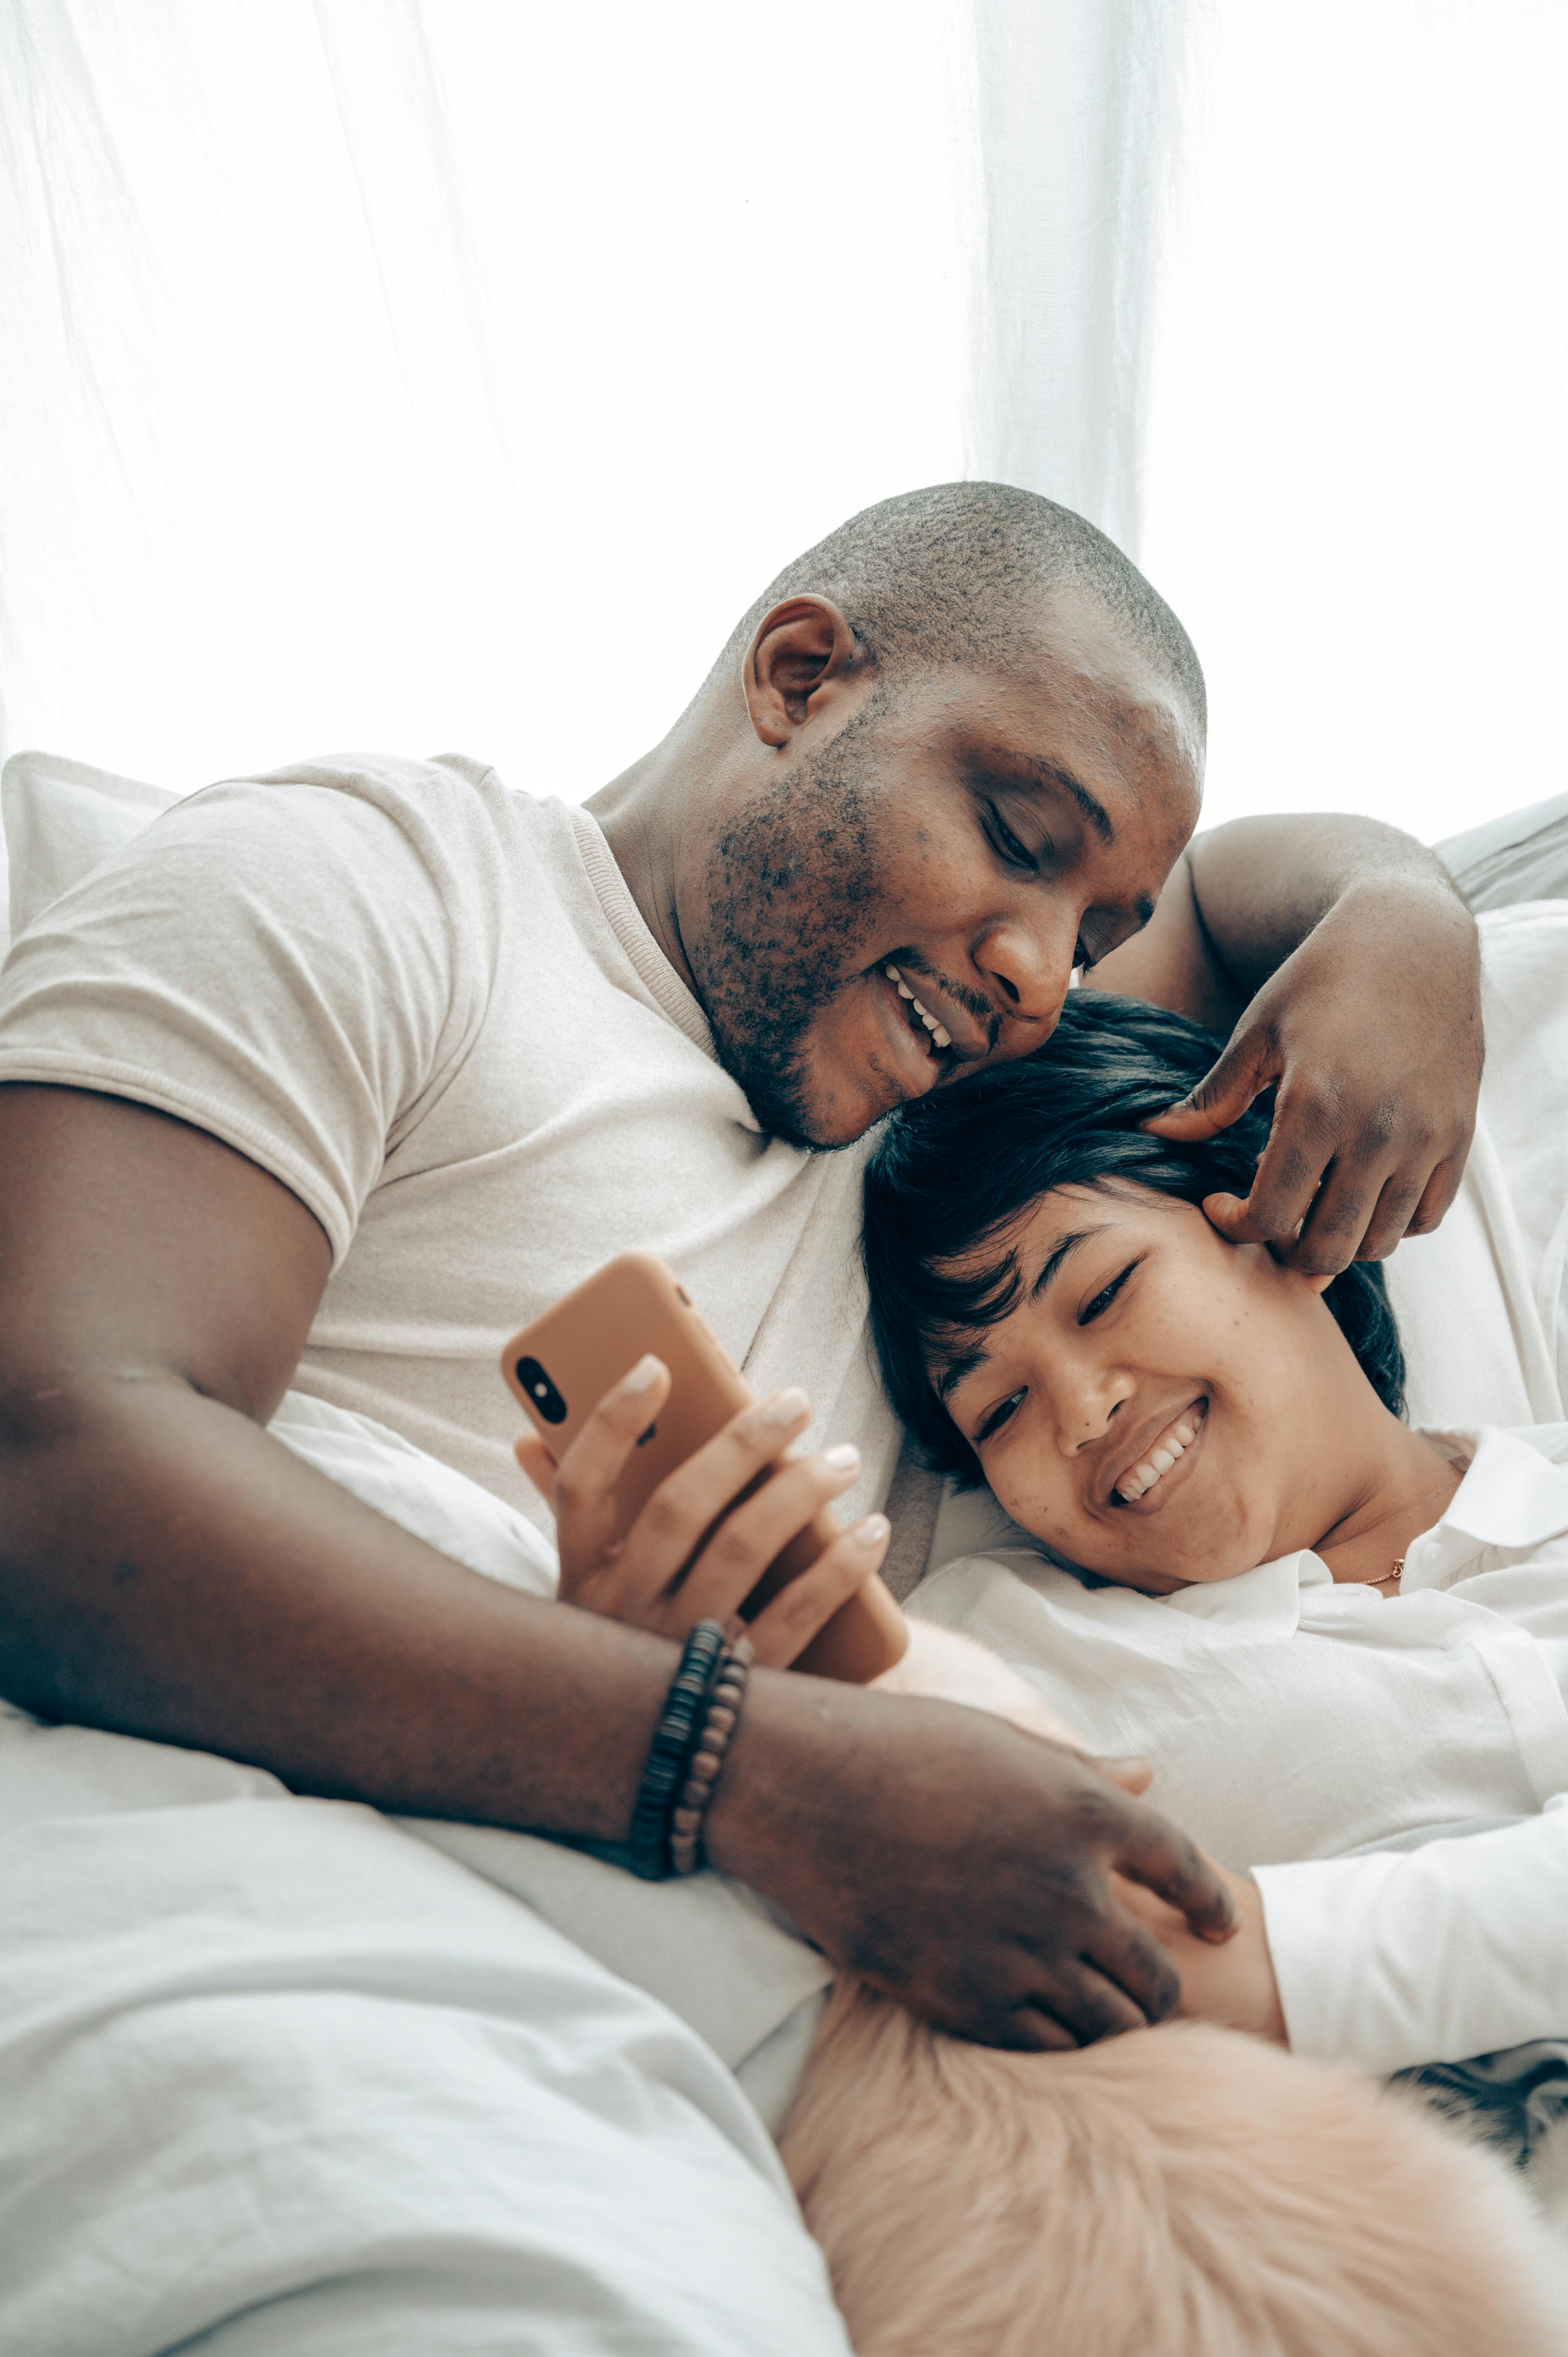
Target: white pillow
{"type": "Point", "coordinates": [419, 1492]}
{"type": "Point", "coordinates": [63, 819]}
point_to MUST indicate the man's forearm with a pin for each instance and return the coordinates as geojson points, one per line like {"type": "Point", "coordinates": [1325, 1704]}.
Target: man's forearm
{"type": "Point", "coordinates": [1260, 886]}
{"type": "Point", "coordinates": [170, 1571]}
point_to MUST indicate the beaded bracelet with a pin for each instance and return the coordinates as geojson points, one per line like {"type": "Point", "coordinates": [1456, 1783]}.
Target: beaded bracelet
{"type": "Point", "coordinates": [674, 1740]}
{"type": "Point", "coordinates": [723, 1710]}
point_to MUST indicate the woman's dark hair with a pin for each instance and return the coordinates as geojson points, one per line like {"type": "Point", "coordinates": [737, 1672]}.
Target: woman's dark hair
{"type": "Point", "coordinates": [954, 1169]}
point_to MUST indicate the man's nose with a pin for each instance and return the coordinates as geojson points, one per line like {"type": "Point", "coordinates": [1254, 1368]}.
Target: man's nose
{"type": "Point", "coordinates": [1027, 968]}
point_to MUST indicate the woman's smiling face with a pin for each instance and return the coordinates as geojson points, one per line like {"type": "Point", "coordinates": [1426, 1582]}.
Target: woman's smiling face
{"type": "Point", "coordinates": [1160, 1406]}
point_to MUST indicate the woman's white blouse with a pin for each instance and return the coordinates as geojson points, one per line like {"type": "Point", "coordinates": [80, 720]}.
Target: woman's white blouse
{"type": "Point", "coordinates": [1291, 1720]}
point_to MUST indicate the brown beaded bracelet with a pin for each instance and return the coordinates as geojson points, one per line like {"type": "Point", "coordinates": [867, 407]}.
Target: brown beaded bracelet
{"type": "Point", "coordinates": [725, 1698]}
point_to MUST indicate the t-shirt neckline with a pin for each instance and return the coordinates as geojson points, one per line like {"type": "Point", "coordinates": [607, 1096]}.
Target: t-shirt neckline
{"type": "Point", "coordinates": [626, 921]}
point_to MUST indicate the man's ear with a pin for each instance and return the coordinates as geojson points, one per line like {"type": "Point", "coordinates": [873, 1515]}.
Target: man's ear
{"type": "Point", "coordinates": [804, 652]}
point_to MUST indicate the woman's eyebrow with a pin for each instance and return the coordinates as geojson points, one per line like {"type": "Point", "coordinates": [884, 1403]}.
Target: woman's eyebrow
{"type": "Point", "coordinates": [1061, 1250]}
{"type": "Point", "coordinates": [956, 1369]}
{"type": "Point", "coordinates": [964, 1364]}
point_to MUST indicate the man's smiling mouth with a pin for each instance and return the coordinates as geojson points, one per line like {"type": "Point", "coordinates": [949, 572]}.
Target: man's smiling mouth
{"type": "Point", "coordinates": [931, 1037]}
{"type": "Point", "coordinates": [920, 1017]}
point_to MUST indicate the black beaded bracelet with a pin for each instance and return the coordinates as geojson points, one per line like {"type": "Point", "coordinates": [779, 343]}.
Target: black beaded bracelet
{"type": "Point", "coordinates": [720, 1718]}
{"type": "Point", "coordinates": [674, 1740]}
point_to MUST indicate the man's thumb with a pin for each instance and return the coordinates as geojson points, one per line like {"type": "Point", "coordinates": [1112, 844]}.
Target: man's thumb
{"type": "Point", "coordinates": [1221, 1096]}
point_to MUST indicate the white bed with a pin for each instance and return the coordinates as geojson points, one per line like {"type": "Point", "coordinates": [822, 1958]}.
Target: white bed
{"type": "Point", "coordinates": [280, 2075]}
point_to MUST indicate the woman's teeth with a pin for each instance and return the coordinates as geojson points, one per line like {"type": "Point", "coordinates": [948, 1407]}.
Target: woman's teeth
{"type": "Point", "coordinates": [1140, 1478]}
{"type": "Point", "coordinates": [943, 1038]}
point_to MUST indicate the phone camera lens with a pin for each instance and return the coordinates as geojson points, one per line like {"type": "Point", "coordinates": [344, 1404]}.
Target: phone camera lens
{"type": "Point", "coordinates": [541, 1391]}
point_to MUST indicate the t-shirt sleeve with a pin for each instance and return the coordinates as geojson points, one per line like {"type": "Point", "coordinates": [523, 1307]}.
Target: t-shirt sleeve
{"type": "Point", "coordinates": [277, 963]}
{"type": "Point", "coordinates": [1400, 1957]}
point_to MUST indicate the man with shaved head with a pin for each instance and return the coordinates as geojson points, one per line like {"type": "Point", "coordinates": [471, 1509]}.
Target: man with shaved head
{"type": "Point", "coordinates": [973, 637]}
{"type": "Point", "coordinates": [334, 1078]}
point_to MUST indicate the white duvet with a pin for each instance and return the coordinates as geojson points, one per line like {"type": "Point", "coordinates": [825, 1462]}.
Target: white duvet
{"type": "Point", "coordinates": [280, 2075]}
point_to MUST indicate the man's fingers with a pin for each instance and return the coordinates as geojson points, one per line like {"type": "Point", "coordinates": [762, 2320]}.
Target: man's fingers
{"type": "Point", "coordinates": [1395, 1209]}
{"type": "Point", "coordinates": [787, 1624]}
{"type": "Point", "coordinates": [1128, 1956]}
{"type": "Point", "coordinates": [1165, 1862]}
{"type": "Point", "coordinates": [1438, 1196]}
{"type": "Point", "coordinates": [1225, 1092]}
{"type": "Point", "coordinates": [1232, 1215]}
{"type": "Point", "coordinates": [1091, 2005]}
{"type": "Point", "coordinates": [1332, 1231]}
{"type": "Point", "coordinates": [1324, 1201]}
{"type": "Point", "coordinates": [1290, 1170]}
{"type": "Point", "coordinates": [1133, 1776]}
{"type": "Point", "coordinates": [1038, 2032]}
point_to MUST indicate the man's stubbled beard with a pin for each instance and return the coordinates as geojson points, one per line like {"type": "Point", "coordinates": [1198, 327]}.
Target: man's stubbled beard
{"type": "Point", "coordinates": [791, 892]}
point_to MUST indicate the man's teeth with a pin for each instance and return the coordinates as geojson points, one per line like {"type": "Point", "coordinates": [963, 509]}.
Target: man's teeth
{"type": "Point", "coordinates": [1176, 1439]}
{"type": "Point", "coordinates": [943, 1038]}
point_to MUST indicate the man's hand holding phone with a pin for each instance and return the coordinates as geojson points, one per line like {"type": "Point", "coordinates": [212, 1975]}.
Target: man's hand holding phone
{"type": "Point", "coordinates": [709, 1532]}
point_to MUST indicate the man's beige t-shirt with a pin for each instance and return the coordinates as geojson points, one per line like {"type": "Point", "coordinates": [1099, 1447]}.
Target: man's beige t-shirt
{"type": "Point", "coordinates": [429, 1005]}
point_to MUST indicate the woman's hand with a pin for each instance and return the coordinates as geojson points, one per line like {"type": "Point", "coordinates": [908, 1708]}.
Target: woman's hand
{"type": "Point", "coordinates": [693, 1553]}
{"type": "Point", "coordinates": [1233, 1984]}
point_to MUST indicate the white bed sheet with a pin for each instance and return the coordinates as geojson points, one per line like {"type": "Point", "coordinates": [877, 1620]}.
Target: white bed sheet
{"type": "Point", "coordinates": [278, 2080]}
{"type": "Point", "coordinates": [282, 2076]}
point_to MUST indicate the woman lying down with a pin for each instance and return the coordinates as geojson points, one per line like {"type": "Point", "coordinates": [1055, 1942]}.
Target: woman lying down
{"type": "Point", "coordinates": [1323, 1631]}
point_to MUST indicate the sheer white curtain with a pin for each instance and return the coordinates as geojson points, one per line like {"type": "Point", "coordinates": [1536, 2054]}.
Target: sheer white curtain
{"type": "Point", "coordinates": [1077, 122]}
{"type": "Point", "coordinates": [1278, 296]}
{"type": "Point", "coordinates": [449, 372]}
{"type": "Point", "coordinates": [1355, 460]}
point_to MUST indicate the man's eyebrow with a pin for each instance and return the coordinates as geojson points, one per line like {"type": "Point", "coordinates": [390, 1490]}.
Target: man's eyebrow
{"type": "Point", "coordinates": [1095, 813]}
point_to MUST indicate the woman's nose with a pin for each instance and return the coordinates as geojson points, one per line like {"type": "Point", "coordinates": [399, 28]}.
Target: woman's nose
{"type": "Point", "coordinates": [1088, 1405]}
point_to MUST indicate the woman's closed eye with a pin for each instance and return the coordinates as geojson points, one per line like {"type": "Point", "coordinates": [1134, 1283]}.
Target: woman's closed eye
{"type": "Point", "coordinates": [995, 1417]}
{"type": "Point", "coordinates": [1102, 1300]}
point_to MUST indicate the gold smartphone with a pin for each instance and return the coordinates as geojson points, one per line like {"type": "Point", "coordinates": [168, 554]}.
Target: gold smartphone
{"type": "Point", "coordinates": [562, 1365]}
